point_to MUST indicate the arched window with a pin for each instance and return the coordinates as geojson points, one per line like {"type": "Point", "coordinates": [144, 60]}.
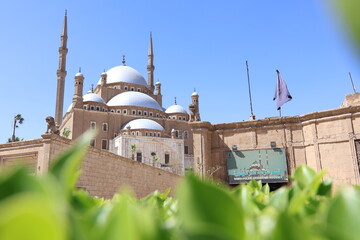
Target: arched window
{"type": "Point", "coordinates": [104, 144]}
{"type": "Point", "coordinates": [167, 158]}
{"type": "Point", "coordinates": [186, 134]}
{"type": "Point", "coordinates": [105, 127]}
{"type": "Point", "coordinates": [139, 156]}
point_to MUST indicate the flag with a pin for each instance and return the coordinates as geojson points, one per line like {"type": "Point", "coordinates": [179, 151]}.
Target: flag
{"type": "Point", "coordinates": [282, 94]}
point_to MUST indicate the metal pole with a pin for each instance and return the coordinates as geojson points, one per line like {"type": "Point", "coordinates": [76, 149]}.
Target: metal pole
{"type": "Point", "coordinates": [354, 88]}
{"type": "Point", "coordinates": [252, 117]}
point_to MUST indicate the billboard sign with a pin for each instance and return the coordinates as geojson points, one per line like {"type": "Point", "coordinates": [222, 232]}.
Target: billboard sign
{"type": "Point", "coordinates": [267, 165]}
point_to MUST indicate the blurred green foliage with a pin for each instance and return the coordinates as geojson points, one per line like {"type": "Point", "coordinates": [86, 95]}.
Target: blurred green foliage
{"type": "Point", "coordinates": [349, 11]}
{"type": "Point", "coordinates": [50, 207]}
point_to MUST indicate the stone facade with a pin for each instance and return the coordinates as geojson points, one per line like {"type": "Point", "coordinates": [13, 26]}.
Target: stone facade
{"type": "Point", "coordinates": [161, 152]}
{"type": "Point", "coordinates": [321, 140]}
{"type": "Point", "coordinates": [102, 173]}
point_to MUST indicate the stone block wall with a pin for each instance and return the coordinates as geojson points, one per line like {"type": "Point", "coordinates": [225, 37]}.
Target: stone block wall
{"type": "Point", "coordinates": [321, 140]}
{"type": "Point", "coordinates": [102, 173]}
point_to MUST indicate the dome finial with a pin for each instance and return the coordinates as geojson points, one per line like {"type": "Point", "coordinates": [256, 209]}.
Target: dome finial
{"type": "Point", "coordinates": [123, 60]}
{"type": "Point", "coordinates": [175, 101]}
{"type": "Point", "coordinates": [92, 88]}
{"type": "Point", "coordinates": [79, 69]}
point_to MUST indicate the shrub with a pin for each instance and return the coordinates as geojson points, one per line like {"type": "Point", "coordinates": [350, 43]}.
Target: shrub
{"type": "Point", "coordinates": [50, 207]}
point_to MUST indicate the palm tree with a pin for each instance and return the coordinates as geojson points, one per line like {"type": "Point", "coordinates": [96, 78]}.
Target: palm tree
{"type": "Point", "coordinates": [17, 119]}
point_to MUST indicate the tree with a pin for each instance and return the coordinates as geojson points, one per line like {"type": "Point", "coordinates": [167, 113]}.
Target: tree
{"type": "Point", "coordinates": [133, 150]}
{"type": "Point", "coordinates": [17, 120]}
{"type": "Point", "coordinates": [66, 132]}
{"type": "Point", "coordinates": [16, 140]}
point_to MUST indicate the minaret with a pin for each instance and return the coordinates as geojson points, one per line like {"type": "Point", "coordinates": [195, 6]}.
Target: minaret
{"type": "Point", "coordinates": [150, 66]}
{"type": "Point", "coordinates": [103, 78]}
{"type": "Point", "coordinates": [194, 107]}
{"type": "Point", "coordinates": [78, 90]}
{"type": "Point", "coordinates": [61, 73]}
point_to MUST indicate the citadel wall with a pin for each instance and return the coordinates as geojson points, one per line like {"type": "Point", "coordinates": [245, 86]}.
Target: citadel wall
{"type": "Point", "coordinates": [321, 140]}
{"type": "Point", "coordinates": [102, 173]}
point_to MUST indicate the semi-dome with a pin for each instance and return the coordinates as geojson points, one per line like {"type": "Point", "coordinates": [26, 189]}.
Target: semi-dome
{"type": "Point", "coordinates": [124, 74]}
{"type": "Point", "coordinates": [143, 124]}
{"type": "Point", "coordinates": [70, 107]}
{"type": "Point", "coordinates": [137, 99]}
{"type": "Point", "coordinates": [92, 97]}
{"type": "Point", "coordinates": [79, 74]}
{"type": "Point", "coordinates": [175, 109]}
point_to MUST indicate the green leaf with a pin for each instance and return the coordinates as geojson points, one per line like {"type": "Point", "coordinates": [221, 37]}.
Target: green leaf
{"type": "Point", "coordinates": [343, 216]}
{"type": "Point", "coordinates": [304, 176]}
{"type": "Point", "coordinates": [325, 188]}
{"type": "Point", "coordinates": [349, 10]}
{"type": "Point", "coordinates": [280, 199]}
{"type": "Point", "coordinates": [18, 181]}
{"type": "Point", "coordinates": [288, 228]}
{"type": "Point", "coordinates": [129, 220]}
{"type": "Point", "coordinates": [209, 212]}
{"type": "Point", "coordinates": [66, 167]}
{"type": "Point", "coordinates": [32, 216]}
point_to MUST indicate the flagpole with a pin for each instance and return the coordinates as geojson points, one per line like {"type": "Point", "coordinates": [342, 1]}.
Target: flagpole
{"type": "Point", "coordinates": [252, 116]}
{"type": "Point", "coordinates": [278, 85]}
{"type": "Point", "coordinates": [352, 83]}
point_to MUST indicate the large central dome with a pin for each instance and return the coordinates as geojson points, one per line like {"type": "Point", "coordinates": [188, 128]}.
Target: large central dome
{"type": "Point", "coordinates": [124, 74]}
{"type": "Point", "coordinates": [134, 99]}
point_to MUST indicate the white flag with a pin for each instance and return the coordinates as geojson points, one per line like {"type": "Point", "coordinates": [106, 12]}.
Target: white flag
{"type": "Point", "coordinates": [282, 94]}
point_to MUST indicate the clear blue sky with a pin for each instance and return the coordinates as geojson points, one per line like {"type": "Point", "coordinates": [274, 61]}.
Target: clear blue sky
{"type": "Point", "coordinates": [197, 44]}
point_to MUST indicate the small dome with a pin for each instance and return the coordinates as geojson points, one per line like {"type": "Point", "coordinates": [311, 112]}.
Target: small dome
{"type": "Point", "coordinates": [175, 109]}
{"type": "Point", "coordinates": [158, 83]}
{"type": "Point", "coordinates": [70, 107]}
{"type": "Point", "coordinates": [92, 97]}
{"type": "Point", "coordinates": [194, 94]}
{"type": "Point", "coordinates": [143, 124]}
{"type": "Point", "coordinates": [124, 74]}
{"type": "Point", "coordinates": [79, 74]}
{"type": "Point", "coordinates": [137, 99]}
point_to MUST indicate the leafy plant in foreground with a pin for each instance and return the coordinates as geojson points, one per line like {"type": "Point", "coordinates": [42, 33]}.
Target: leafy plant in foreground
{"type": "Point", "coordinates": [50, 207]}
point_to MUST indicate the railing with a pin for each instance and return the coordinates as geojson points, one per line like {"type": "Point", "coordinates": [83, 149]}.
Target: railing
{"type": "Point", "coordinates": [174, 168]}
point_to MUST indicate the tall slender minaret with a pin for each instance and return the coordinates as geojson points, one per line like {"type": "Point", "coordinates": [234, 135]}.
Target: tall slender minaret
{"type": "Point", "coordinates": [150, 66]}
{"type": "Point", "coordinates": [61, 73]}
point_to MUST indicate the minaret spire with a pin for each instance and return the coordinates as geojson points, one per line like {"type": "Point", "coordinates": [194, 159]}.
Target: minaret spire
{"type": "Point", "coordinates": [61, 73]}
{"type": "Point", "coordinates": [150, 66]}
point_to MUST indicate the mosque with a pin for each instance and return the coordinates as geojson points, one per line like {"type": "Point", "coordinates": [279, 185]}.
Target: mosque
{"type": "Point", "coordinates": [128, 114]}
{"type": "Point", "coordinates": [148, 146]}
